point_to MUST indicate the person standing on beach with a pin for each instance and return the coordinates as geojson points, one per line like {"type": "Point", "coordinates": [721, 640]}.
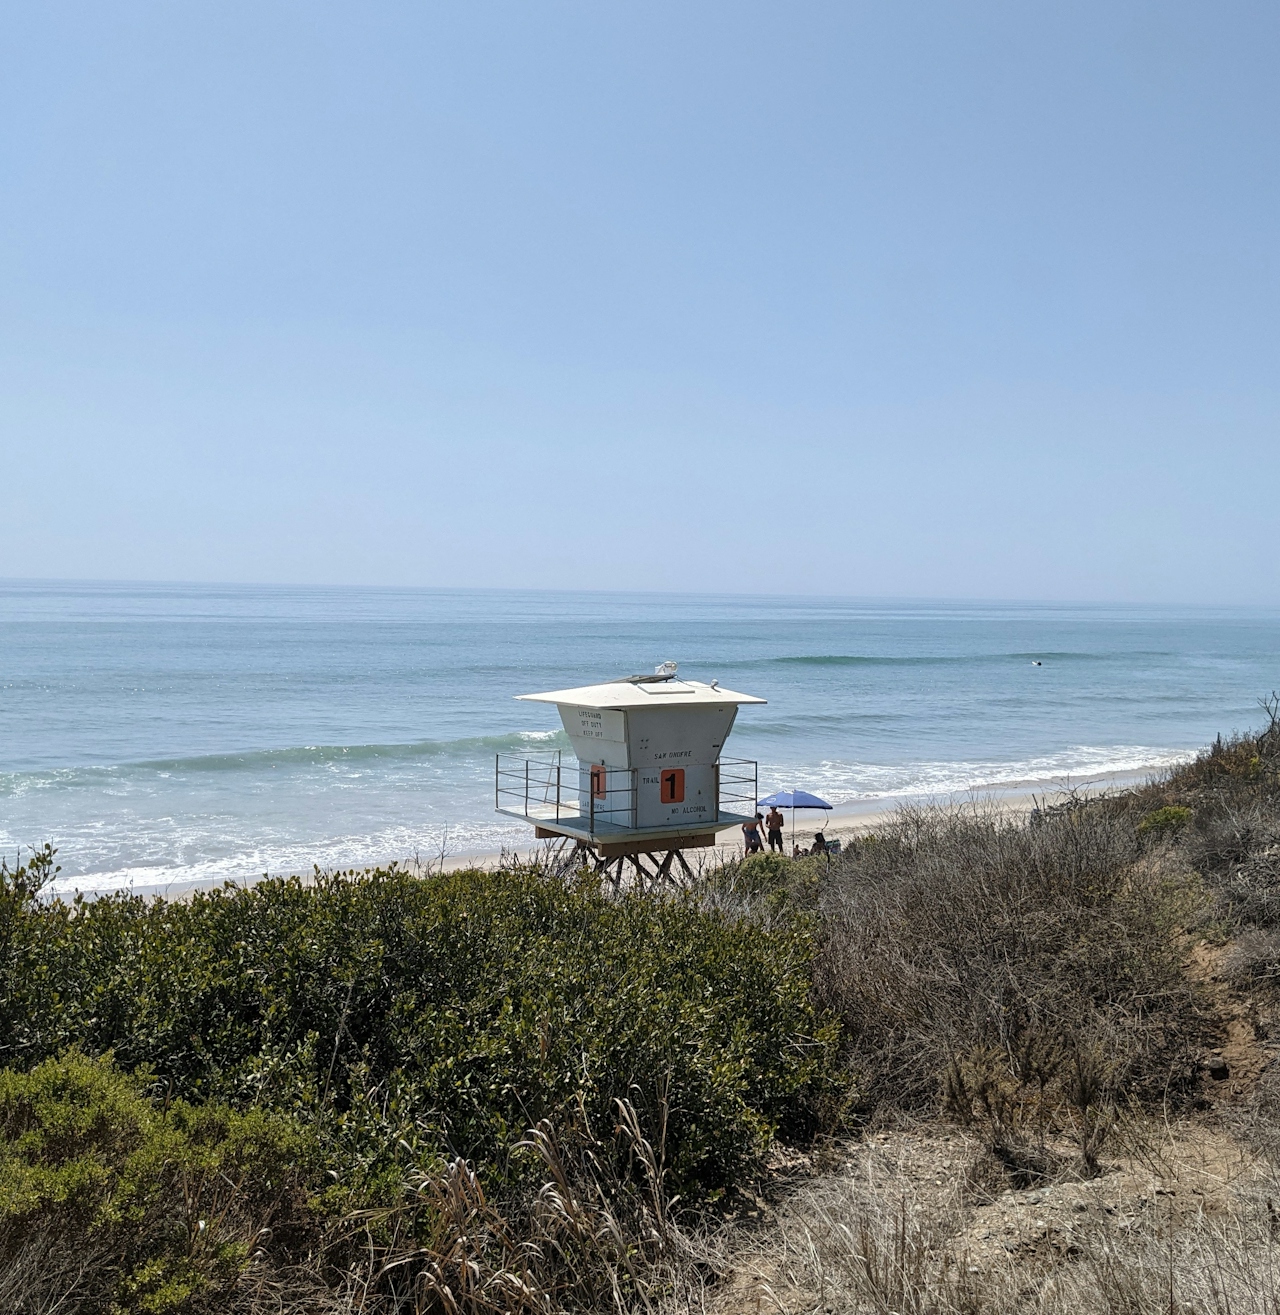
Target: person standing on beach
{"type": "Point", "coordinates": [773, 824]}
{"type": "Point", "coordinates": [751, 834]}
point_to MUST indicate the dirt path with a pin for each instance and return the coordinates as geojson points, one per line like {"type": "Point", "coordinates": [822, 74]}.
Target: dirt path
{"type": "Point", "coordinates": [1234, 1069]}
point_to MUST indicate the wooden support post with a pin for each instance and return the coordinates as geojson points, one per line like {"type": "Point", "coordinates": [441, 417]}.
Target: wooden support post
{"type": "Point", "coordinates": [648, 870]}
{"type": "Point", "coordinates": [642, 873]}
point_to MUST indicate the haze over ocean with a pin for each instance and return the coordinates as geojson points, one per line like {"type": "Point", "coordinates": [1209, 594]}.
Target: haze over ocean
{"type": "Point", "coordinates": [166, 734]}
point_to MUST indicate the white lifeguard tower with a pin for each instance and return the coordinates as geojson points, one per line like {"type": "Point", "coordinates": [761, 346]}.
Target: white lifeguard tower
{"type": "Point", "coordinates": [648, 777]}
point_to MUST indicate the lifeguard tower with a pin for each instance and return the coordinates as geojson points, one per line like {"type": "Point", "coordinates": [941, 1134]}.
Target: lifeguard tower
{"type": "Point", "coordinates": [647, 779]}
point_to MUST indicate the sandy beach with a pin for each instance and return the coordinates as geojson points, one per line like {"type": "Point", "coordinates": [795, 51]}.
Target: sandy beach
{"type": "Point", "coordinates": [845, 821]}
{"type": "Point", "coordinates": [860, 816]}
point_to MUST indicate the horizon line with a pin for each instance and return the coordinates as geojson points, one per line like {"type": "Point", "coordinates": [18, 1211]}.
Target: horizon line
{"type": "Point", "coordinates": [544, 590]}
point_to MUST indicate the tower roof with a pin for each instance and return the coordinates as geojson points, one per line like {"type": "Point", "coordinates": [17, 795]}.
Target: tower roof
{"type": "Point", "coordinates": [643, 692]}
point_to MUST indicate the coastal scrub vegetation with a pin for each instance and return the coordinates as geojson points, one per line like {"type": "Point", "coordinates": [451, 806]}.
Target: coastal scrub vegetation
{"type": "Point", "coordinates": [517, 1092]}
{"type": "Point", "coordinates": [417, 1049]}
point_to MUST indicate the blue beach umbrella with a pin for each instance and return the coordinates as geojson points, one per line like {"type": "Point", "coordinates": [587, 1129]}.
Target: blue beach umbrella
{"type": "Point", "coordinates": [793, 799]}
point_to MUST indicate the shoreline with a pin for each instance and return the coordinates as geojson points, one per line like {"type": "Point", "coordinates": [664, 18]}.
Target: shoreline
{"type": "Point", "coordinates": [844, 822]}
{"type": "Point", "coordinates": [857, 817]}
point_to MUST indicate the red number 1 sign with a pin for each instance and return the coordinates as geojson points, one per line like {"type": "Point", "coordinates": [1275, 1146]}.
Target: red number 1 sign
{"type": "Point", "coordinates": [671, 790]}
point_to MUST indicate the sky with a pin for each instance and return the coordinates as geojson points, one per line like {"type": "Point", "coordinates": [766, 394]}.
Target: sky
{"type": "Point", "coordinates": [937, 300]}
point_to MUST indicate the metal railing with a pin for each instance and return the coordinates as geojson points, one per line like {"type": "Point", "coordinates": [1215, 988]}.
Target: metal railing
{"type": "Point", "coordinates": [556, 788]}
{"type": "Point", "coordinates": [737, 786]}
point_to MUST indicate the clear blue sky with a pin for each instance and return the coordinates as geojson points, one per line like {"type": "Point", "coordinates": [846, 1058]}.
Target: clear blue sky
{"type": "Point", "coordinates": [915, 299]}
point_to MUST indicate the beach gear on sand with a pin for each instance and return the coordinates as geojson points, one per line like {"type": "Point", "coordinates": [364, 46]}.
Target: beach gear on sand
{"type": "Point", "coordinates": [793, 799]}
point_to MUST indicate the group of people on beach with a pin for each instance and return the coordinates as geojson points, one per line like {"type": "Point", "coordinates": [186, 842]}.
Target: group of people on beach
{"type": "Point", "coordinates": [773, 825]}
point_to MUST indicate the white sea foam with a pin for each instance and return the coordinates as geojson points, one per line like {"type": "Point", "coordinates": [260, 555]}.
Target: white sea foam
{"type": "Point", "coordinates": [253, 858]}
{"type": "Point", "coordinates": [849, 782]}
{"type": "Point", "coordinates": [222, 850]}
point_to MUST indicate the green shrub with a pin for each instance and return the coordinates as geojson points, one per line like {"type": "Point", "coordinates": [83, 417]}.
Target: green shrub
{"type": "Point", "coordinates": [332, 1060]}
{"type": "Point", "coordinates": [1165, 821]}
{"type": "Point", "coordinates": [110, 1203]}
{"type": "Point", "coordinates": [407, 1020]}
{"type": "Point", "coordinates": [769, 889]}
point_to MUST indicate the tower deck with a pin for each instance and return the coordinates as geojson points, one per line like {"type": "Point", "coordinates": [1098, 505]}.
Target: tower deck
{"type": "Point", "coordinates": [547, 791]}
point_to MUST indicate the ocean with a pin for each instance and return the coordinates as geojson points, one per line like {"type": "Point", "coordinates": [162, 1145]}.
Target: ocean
{"type": "Point", "coordinates": [164, 736]}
